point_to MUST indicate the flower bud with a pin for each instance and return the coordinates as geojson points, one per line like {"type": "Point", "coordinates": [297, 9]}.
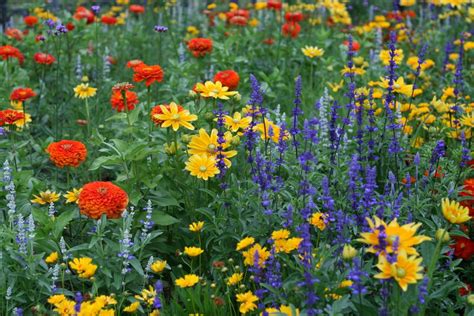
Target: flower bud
{"type": "Point", "coordinates": [237, 97]}
{"type": "Point", "coordinates": [192, 93]}
{"type": "Point", "coordinates": [209, 116]}
{"type": "Point", "coordinates": [348, 252]}
{"type": "Point", "coordinates": [224, 269]}
{"type": "Point", "coordinates": [442, 233]}
{"type": "Point", "coordinates": [235, 141]}
{"type": "Point", "coordinates": [170, 149]}
{"type": "Point", "coordinates": [470, 299]}
{"type": "Point", "coordinates": [186, 138]}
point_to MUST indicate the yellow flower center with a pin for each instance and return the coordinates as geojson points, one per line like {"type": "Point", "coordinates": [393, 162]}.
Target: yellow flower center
{"type": "Point", "coordinates": [176, 117]}
{"type": "Point", "coordinates": [203, 168]}
{"type": "Point", "coordinates": [211, 147]}
{"type": "Point", "coordinates": [396, 86]}
{"type": "Point", "coordinates": [235, 121]}
{"type": "Point", "coordinates": [401, 272]}
{"type": "Point", "coordinates": [391, 239]}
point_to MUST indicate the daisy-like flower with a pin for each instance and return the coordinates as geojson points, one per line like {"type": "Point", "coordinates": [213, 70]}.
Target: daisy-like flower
{"type": "Point", "coordinates": [318, 220]}
{"type": "Point", "coordinates": [46, 197]}
{"type": "Point", "coordinates": [83, 91]}
{"type": "Point", "coordinates": [236, 122]}
{"type": "Point", "coordinates": [52, 258]}
{"type": "Point", "coordinates": [454, 212]}
{"type": "Point", "coordinates": [132, 307]}
{"type": "Point", "coordinates": [312, 51]}
{"type": "Point", "coordinates": [196, 227]}
{"type": "Point", "coordinates": [280, 234]}
{"type": "Point", "coordinates": [244, 243]}
{"type": "Point", "coordinates": [193, 251]}
{"type": "Point", "coordinates": [174, 117]}
{"type": "Point", "coordinates": [73, 196]}
{"type": "Point", "coordinates": [188, 280]}
{"type": "Point", "coordinates": [405, 235]}
{"type": "Point", "coordinates": [158, 266]}
{"type": "Point", "coordinates": [385, 56]}
{"type": "Point", "coordinates": [270, 130]}
{"type": "Point", "coordinates": [468, 120]}
{"type": "Point", "coordinates": [147, 295]}
{"type": "Point", "coordinates": [205, 144]}
{"type": "Point", "coordinates": [235, 278]}
{"type": "Point", "coordinates": [202, 166]}
{"type": "Point", "coordinates": [247, 302]}
{"type": "Point", "coordinates": [214, 90]}
{"type": "Point", "coordinates": [405, 271]}
{"type": "Point", "coordinates": [256, 251]}
{"type": "Point", "coordinates": [83, 267]}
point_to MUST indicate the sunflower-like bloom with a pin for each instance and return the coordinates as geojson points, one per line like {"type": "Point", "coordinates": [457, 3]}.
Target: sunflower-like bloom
{"type": "Point", "coordinates": [67, 153]}
{"type": "Point", "coordinates": [196, 227]}
{"type": "Point", "coordinates": [84, 91]}
{"type": "Point", "coordinates": [454, 212]}
{"type": "Point", "coordinates": [214, 90]}
{"type": "Point", "coordinates": [83, 267]}
{"type": "Point", "coordinates": [405, 235]}
{"type": "Point", "coordinates": [235, 278]}
{"type": "Point", "coordinates": [132, 308]}
{"type": "Point", "coordinates": [244, 243]}
{"type": "Point", "coordinates": [147, 73]}
{"type": "Point", "coordinates": [202, 166]}
{"type": "Point", "coordinates": [406, 270]}
{"type": "Point", "coordinates": [46, 197]}
{"type": "Point", "coordinates": [318, 220]}
{"type": "Point", "coordinates": [99, 198]}
{"type": "Point", "coordinates": [22, 94]}
{"type": "Point", "coordinates": [147, 295]}
{"type": "Point", "coordinates": [188, 280]}
{"type": "Point", "coordinates": [174, 117]}
{"type": "Point", "coordinates": [52, 258]}
{"type": "Point", "coordinates": [256, 251]}
{"type": "Point", "coordinates": [157, 110]}
{"type": "Point", "coordinates": [312, 51]}
{"type": "Point", "coordinates": [399, 86]}
{"type": "Point", "coordinates": [236, 122]}
{"type": "Point", "coordinates": [270, 130]}
{"type": "Point", "coordinates": [385, 56]}
{"type": "Point", "coordinates": [247, 302]}
{"type": "Point", "coordinates": [193, 251]}
{"type": "Point", "coordinates": [73, 196]}
{"type": "Point", "coordinates": [205, 144]}
{"type": "Point", "coordinates": [468, 120]}
{"type": "Point", "coordinates": [158, 266]}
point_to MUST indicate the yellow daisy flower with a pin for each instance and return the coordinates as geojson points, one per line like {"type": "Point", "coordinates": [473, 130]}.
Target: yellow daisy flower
{"type": "Point", "coordinates": [45, 197]}
{"type": "Point", "coordinates": [83, 91]}
{"type": "Point", "coordinates": [214, 90]}
{"type": "Point", "coordinates": [175, 118]}
{"type": "Point", "coordinates": [202, 166]}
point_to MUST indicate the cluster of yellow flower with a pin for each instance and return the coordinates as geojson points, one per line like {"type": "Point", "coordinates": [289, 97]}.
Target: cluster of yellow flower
{"type": "Point", "coordinates": [101, 305]}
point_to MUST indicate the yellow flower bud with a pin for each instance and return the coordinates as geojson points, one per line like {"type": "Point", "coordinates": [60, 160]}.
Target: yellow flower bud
{"type": "Point", "coordinates": [442, 233]}
{"type": "Point", "coordinates": [348, 252]}
{"type": "Point", "coordinates": [470, 299]}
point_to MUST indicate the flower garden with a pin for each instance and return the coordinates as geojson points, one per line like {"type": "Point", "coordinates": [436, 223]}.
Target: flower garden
{"type": "Point", "coordinates": [237, 157]}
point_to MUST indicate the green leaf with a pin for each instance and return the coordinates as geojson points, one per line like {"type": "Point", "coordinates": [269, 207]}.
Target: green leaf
{"type": "Point", "coordinates": [62, 221]}
{"type": "Point", "coordinates": [137, 266]}
{"type": "Point", "coordinates": [105, 160]}
{"type": "Point", "coordinates": [163, 219]}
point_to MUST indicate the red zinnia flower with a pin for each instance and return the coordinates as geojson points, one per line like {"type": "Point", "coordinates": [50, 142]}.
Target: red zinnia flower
{"type": "Point", "coordinates": [465, 290]}
{"type": "Point", "coordinates": [291, 29]}
{"type": "Point", "coordinates": [30, 20]}
{"type": "Point", "coordinates": [8, 51]}
{"type": "Point", "coordinates": [269, 41]}
{"type": "Point", "coordinates": [293, 17]}
{"type": "Point", "coordinates": [149, 74]}
{"type": "Point", "coordinates": [157, 110]}
{"type": "Point", "coordinates": [463, 248]}
{"type": "Point", "coordinates": [44, 59]}
{"type": "Point", "coordinates": [134, 63]}
{"type": "Point", "coordinates": [238, 20]}
{"type": "Point", "coordinates": [82, 13]}
{"type": "Point", "coordinates": [137, 9]}
{"type": "Point", "coordinates": [70, 26]}
{"type": "Point", "coordinates": [14, 33]}
{"type": "Point", "coordinates": [228, 78]}
{"type": "Point", "coordinates": [200, 46]}
{"type": "Point", "coordinates": [108, 20]}
{"type": "Point", "coordinates": [22, 94]}
{"type": "Point", "coordinates": [468, 192]}
{"type": "Point", "coordinates": [118, 103]}
{"type": "Point", "coordinates": [9, 117]}
{"type": "Point", "coordinates": [97, 198]}
{"type": "Point", "coordinates": [67, 153]}
{"type": "Point", "coordinates": [355, 45]}
{"type": "Point", "coordinates": [274, 4]}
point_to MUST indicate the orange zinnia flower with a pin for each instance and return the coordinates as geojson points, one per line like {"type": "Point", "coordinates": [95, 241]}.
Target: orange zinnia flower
{"type": "Point", "coordinates": [157, 110]}
{"type": "Point", "coordinates": [67, 153]}
{"type": "Point", "coordinates": [14, 33]}
{"type": "Point", "coordinates": [200, 46]}
{"type": "Point", "coordinates": [97, 198]}
{"type": "Point", "coordinates": [9, 117]}
{"type": "Point", "coordinates": [137, 9]}
{"type": "Point", "coordinates": [44, 59]}
{"type": "Point", "coordinates": [30, 20]}
{"type": "Point", "coordinates": [8, 51]}
{"type": "Point", "coordinates": [118, 103]}
{"type": "Point", "coordinates": [134, 63]}
{"type": "Point", "coordinates": [22, 94]}
{"type": "Point", "coordinates": [149, 74]}
{"type": "Point", "coordinates": [82, 13]}
{"type": "Point", "coordinates": [228, 78]}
